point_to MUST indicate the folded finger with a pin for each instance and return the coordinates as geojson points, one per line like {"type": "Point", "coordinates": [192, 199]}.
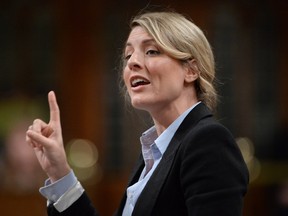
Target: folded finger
{"type": "Point", "coordinates": [37, 139]}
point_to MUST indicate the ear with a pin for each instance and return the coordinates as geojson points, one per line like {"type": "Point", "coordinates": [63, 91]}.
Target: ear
{"type": "Point", "coordinates": [192, 71]}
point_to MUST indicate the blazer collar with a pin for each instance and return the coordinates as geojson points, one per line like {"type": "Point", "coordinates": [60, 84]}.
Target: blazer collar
{"type": "Point", "coordinates": [199, 112]}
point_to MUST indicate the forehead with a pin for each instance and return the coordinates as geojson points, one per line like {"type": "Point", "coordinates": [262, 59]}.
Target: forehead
{"type": "Point", "coordinates": [139, 35]}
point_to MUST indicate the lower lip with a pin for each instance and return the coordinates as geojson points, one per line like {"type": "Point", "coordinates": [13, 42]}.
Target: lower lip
{"type": "Point", "coordinates": [138, 88]}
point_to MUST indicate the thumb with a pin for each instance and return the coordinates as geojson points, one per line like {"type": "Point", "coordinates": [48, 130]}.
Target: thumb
{"type": "Point", "coordinates": [47, 131]}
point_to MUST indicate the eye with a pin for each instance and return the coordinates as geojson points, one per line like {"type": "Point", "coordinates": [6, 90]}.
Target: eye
{"type": "Point", "coordinates": [152, 52]}
{"type": "Point", "coordinates": [127, 57]}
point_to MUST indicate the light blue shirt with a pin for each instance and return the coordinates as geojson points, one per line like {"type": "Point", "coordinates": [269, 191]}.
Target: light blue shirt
{"type": "Point", "coordinates": [153, 148]}
{"type": "Point", "coordinates": [54, 191]}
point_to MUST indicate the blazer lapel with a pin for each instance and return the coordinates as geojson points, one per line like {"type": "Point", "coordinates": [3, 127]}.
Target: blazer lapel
{"type": "Point", "coordinates": [149, 195]}
{"type": "Point", "coordinates": [134, 177]}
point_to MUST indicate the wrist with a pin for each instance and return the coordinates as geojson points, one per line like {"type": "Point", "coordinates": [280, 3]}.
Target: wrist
{"type": "Point", "coordinates": [59, 173]}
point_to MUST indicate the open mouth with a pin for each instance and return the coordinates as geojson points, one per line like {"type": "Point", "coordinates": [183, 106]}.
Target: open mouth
{"type": "Point", "coordinates": [139, 81]}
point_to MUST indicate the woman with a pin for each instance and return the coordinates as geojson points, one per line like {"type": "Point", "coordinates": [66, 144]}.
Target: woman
{"type": "Point", "coordinates": [190, 164]}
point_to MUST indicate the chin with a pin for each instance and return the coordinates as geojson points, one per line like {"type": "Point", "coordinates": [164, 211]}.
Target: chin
{"type": "Point", "coordinates": [136, 105]}
{"type": "Point", "coordinates": [139, 104]}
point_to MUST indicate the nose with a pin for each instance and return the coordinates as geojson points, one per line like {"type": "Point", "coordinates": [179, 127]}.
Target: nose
{"type": "Point", "coordinates": [135, 62]}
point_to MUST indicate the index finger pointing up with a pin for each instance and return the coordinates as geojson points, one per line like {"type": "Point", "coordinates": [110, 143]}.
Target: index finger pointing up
{"type": "Point", "coordinates": [54, 109]}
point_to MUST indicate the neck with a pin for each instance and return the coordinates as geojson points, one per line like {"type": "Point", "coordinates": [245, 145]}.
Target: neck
{"type": "Point", "coordinates": [165, 117]}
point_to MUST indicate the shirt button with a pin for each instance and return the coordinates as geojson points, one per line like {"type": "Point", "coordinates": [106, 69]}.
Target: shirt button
{"type": "Point", "coordinates": [130, 195]}
{"type": "Point", "coordinates": [54, 197]}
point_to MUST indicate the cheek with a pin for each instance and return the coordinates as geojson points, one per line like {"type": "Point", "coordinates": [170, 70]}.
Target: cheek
{"type": "Point", "coordinates": [125, 77]}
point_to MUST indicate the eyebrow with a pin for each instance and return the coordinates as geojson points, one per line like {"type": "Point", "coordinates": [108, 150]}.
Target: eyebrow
{"type": "Point", "coordinates": [146, 41]}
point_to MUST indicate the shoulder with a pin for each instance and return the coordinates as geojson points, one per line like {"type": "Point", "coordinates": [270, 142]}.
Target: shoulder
{"type": "Point", "coordinates": [208, 129]}
{"type": "Point", "coordinates": [201, 134]}
{"type": "Point", "coordinates": [210, 148]}
{"type": "Point", "coordinates": [200, 121]}
{"type": "Point", "coordinates": [209, 140]}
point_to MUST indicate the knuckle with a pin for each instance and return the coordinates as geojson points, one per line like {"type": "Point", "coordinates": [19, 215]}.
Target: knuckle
{"type": "Point", "coordinates": [36, 121]}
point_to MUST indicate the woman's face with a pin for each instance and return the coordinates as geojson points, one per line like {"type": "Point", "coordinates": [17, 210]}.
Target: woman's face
{"type": "Point", "coordinates": [153, 79]}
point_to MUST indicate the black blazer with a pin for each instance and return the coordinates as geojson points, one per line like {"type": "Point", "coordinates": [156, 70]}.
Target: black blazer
{"type": "Point", "coordinates": [202, 173]}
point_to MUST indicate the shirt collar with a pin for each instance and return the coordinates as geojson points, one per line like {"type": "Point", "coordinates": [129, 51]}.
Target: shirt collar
{"type": "Point", "coordinates": [154, 146]}
{"type": "Point", "coordinates": [147, 140]}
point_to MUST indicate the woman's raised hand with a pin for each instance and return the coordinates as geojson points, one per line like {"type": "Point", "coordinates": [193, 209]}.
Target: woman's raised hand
{"type": "Point", "coordinates": [47, 142]}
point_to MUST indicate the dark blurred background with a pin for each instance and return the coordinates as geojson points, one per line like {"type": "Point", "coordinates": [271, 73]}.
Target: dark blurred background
{"type": "Point", "coordinates": [73, 47]}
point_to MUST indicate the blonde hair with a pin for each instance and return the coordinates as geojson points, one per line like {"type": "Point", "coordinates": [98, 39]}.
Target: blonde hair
{"type": "Point", "coordinates": [181, 39]}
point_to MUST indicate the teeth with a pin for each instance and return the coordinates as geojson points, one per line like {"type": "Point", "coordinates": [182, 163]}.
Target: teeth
{"type": "Point", "coordinates": [134, 82]}
{"type": "Point", "coordinates": [138, 81]}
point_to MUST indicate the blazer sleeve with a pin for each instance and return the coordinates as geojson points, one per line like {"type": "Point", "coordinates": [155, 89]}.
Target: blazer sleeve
{"type": "Point", "coordinates": [214, 176]}
{"type": "Point", "coordinates": [81, 207]}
